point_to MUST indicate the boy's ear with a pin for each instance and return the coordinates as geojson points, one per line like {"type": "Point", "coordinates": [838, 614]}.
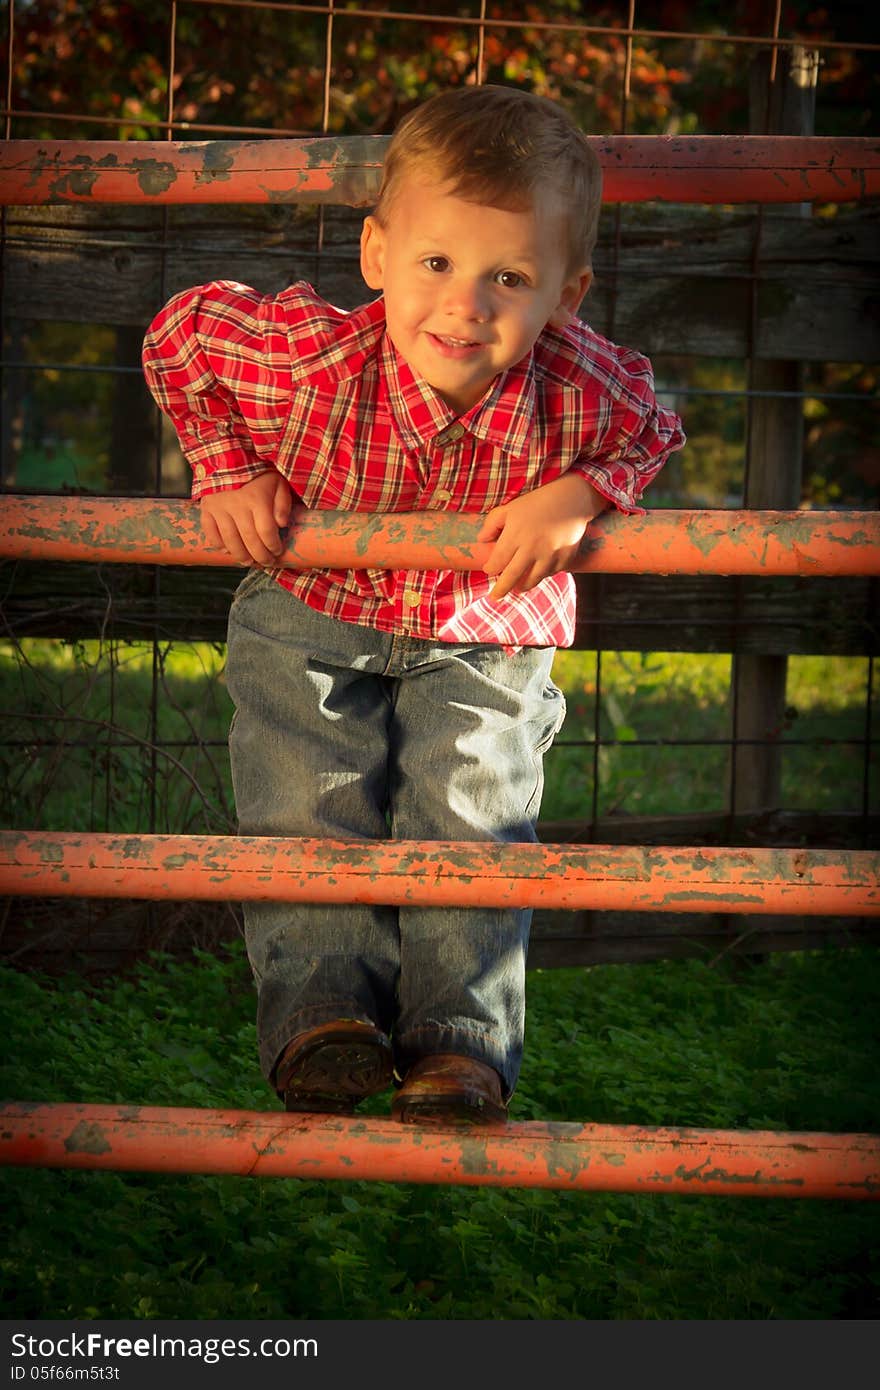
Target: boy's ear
{"type": "Point", "coordinates": [573, 292]}
{"type": "Point", "coordinates": [373, 253]}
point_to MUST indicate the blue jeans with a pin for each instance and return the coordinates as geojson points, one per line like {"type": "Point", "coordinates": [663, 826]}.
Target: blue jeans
{"type": "Point", "coordinates": [346, 733]}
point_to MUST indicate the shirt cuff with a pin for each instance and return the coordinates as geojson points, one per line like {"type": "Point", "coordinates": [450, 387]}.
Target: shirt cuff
{"type": "Point", "coordinates": [224, 471]}
{"type": "Point", "coordinates": [623, 499]}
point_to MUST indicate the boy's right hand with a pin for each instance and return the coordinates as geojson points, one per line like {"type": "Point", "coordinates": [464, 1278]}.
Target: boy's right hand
{"type": "Point", "coordinates": [246, 522]}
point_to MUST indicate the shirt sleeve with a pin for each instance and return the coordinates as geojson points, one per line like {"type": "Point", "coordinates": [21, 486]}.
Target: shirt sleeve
{"type": "Point", "coordinates": [217, 361]}
{"type": "Point", "coordinates": [638, 439]}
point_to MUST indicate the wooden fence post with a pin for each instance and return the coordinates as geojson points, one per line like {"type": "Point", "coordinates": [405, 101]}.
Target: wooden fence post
{"type": "Point", "coordinates": [781, 101]}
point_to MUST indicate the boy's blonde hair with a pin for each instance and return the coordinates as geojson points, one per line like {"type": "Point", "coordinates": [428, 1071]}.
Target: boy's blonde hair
{"type": "Point", "coordinates": [503, 148]}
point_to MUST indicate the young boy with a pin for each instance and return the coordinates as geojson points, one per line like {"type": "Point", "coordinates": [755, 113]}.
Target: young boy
{"type": "Point", "coordinates": [412, 705]}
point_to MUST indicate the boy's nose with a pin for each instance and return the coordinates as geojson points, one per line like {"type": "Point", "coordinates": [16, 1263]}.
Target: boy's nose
{"type": "Point", "coordinates": [468, 299]}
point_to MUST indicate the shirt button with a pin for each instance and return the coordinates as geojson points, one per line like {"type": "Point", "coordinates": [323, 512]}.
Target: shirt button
{"type": "Point", "coordinates": [411, 598]}
{"type": "Point", "coordinates": [200, 471]}
{"type": "Point", "coordinates": [451, 433]}
{"type": "Point", "coordinates": [442, 495]}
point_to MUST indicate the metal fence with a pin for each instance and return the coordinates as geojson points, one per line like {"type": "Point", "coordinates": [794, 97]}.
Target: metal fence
{"type": "Point", "coordinates": [758, 319]}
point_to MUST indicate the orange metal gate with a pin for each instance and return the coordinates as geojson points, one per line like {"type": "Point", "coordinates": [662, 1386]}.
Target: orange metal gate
{"type": "Point", "coordinates": [597, 1157]}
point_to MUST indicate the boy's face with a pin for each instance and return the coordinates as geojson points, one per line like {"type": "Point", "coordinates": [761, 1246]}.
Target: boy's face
{"type": "Point", "coordinates": [468, 288]}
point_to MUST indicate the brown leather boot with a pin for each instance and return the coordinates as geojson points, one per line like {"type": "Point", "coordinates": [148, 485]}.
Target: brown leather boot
{"type": "Point", "coordinates": [448, 1089]}
{"type": "Point", "coordinates": [330, 1068]}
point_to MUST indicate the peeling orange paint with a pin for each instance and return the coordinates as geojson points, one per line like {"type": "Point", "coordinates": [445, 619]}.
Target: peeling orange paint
{"type": "Point", "coordinates": [346, 169]}
{"type": "Point", "coordinates": [167, 532]}
{"type": "Point", "coordinates": [445, 873]}
{"type": "Point", "coordinates": [598, 1158]}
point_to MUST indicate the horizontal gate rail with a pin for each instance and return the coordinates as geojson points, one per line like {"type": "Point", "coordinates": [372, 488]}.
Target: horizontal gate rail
{"type": "Point", "coordinates": [453, 874]}
{"type": "Point", "coordinates": [608, 1158]}
{"type": "Point", "coordinates": [168, 532]}
{"type": "Point", "coordinates": [347, 169]}
{"type": "Point", "coordinates": [604, 1158]}
{"type": "Point", "coordinates": [587, 1158]}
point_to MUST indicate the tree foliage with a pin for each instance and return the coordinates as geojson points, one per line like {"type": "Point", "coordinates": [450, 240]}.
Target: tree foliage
{"type": "Point", "coordinates": [264, 69]}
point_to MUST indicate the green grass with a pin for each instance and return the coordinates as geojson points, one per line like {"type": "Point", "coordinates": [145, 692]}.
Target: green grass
{"type": "Point", "coordinates": [670, 696]}
{"type": "Point", "coordinates": [784, 1044]}
{"type": "Point", "coordinates": [79, 703]}
{"type": "Point", "coordinates": [96, 696]}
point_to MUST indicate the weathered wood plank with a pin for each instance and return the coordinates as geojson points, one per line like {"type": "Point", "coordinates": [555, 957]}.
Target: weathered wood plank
{"type": "Point", "coordinates": [771, 616]}
{"type": "Point", "coordinates": [680, 284]}
{"type": "Point", "coordinates": [631, 939]}
{"type": "Point", "coordinates": [93, 935]}
{"type": "Point", "coordinates": [838, 829]}
{"type": "Point", "coordinates": [700, 613]}
{"type": "Point", "coordinates": [782, 99]}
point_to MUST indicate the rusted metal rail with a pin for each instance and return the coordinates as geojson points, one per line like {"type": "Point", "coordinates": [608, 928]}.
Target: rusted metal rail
{"type": "Point", "coordinates": [410, 873]}
{"type": "Point", "coordinates": [586, 1158]}
{"type": "Point", "coordinates": [346, 169]}
{"type": "Point", "coordinates": [704, 169]}
{"type": "Point", "coordinates": [166, 532]}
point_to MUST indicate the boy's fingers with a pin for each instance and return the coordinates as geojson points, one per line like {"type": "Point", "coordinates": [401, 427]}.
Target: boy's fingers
{"type": "Point", "coordinates": [231, 540]}
{"type": "Point", "coordinates": [493, 525]}
{"type": "Point", "coordinates": [500, 589]}
{"type": "Point", "coordinates": [522, 574]}
{"type": "Point", "coordinates": [530, 577]}
{"type": "Point", "coordinates": [283, 503]}
{"type": "Point", "coordinates": [501, 554]}
{"type": "Point", "coordinates": [240, 540]}
{"type": "Point", "coordinates": [210, 531]}
{"type": "Point", "coordinates": [265, 532]}
{"type": "Point", "coordinates": [258, 551]}
{"type": "Point", "coordinates": [507, 579]}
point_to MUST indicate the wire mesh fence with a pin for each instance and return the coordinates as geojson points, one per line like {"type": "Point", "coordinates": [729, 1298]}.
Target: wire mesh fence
{"type": "Point", "coordinates": [701, 710]}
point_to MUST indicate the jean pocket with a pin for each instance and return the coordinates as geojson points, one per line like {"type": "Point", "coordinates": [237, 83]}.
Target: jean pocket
{"type": "Point", "coordinates": [252, 581]}
{"type": "Point", "coordinates": [555, 711]}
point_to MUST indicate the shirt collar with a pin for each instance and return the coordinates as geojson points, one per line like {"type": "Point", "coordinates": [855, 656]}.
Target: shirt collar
{"type": "Point", "coordinates": [503, 417]}
{"type": "Point", "coordinates": [341, 352]}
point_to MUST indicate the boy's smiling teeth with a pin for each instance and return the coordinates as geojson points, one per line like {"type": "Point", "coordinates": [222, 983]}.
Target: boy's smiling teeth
{"type": "Point", "coordinates": [455, 342]}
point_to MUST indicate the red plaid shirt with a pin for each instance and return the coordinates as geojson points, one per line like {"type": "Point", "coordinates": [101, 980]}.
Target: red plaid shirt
{"type": "Point", "coordinates": [254, 382]}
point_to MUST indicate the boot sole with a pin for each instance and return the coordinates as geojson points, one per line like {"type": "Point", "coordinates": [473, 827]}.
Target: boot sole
{"type": "Point", "coordinates": [447, 1110]}
{"type": "Point", "coordinates": [332, 1076]}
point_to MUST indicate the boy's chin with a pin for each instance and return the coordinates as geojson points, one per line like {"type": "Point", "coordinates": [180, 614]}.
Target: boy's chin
{"type": "Point", "coordinates": [461, 400]}
{"type": "Point", "coordinates": [460, 395]}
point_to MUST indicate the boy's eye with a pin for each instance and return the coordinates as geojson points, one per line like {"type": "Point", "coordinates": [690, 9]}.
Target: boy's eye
{"type": "Point", "coordinates": [510, 279]}
{"type": "Point", "coordinates": [436, 263]}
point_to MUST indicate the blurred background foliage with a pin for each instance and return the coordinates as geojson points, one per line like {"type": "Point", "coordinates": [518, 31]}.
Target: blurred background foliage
{"type": "Point", "coordinates": [249, 66]}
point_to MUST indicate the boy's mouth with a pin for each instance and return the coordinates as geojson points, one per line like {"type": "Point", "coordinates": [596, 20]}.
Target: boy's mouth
{"type": "Point", "coordinates": [450, 346]}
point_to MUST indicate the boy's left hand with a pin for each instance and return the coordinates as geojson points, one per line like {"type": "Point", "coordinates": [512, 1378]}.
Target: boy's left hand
{"type": "Point", "coordinates": [538, 533]}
